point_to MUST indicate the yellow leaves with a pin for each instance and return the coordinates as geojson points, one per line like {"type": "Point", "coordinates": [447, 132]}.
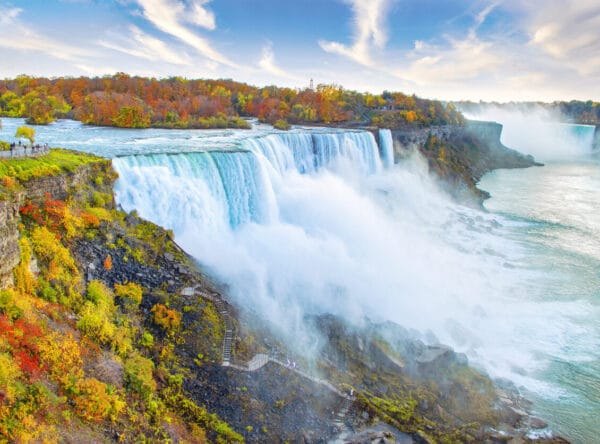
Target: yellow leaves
{"type": "Point", "coordinates": [62, 355]}
{"type": "Point", "coordinates": [95, 401]}
{"type": "Point", "coordinates": [9, 374]}
{"type": "Point", "coordinates": [94, 323]}
{"type": "Point", "coordinates": [25, 281]}
{"type": "Point", "coordinates": [48, 247]}
{"type": "Point", "coordinates": [130, 293]}
{"type": "Point", "coordinates": [166, 318]}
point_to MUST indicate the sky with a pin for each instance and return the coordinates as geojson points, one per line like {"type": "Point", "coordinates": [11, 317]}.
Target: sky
{"type": "Point", "coordinates": [499, 50]}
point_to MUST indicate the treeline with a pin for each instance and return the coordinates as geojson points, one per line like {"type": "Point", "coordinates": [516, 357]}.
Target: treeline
{"type": "Point", "coordinates": [574, 111]}
{"type": "Point", "coordinates": [138, 102]}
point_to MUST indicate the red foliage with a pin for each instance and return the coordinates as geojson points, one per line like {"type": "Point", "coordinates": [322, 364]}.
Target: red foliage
{"type": "Point", "coordinates": [50, 213]}
{"type": "Point", "coordinates": [22, 337]}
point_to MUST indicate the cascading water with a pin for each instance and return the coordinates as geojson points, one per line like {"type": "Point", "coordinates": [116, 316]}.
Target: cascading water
{"type": "Point", "coordinates": [386, 144]}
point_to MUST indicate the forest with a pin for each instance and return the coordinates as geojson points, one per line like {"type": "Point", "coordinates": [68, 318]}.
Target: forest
{"type": "Point", "coordinates": [139, 102]}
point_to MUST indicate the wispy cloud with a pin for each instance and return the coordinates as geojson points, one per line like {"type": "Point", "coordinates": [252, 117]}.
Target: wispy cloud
{"type": "Point", "coordinates": [15, 34]}
{"type": "Point", "coordinates": [171, 17]}
{"type": "Point", "coordinates": [567, 31]}
{"type": "Point", "coordinates": [267, 63]}
{"type": "Point", "coordinates": [369, 31]}
{"type": "Point", "coordinates": [139, 44]}
{"type": "Point", "coordinates": [456, 59]}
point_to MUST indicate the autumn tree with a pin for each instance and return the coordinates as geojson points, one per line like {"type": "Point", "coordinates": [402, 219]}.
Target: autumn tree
{"type": "Point", "coordinates": [26, 132]}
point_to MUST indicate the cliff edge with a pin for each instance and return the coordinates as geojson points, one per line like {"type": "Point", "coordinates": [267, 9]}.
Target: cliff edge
{"type": "Point", "coordinates": [461, 155]}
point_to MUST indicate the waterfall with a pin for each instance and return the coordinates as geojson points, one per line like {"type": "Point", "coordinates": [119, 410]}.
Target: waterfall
{"type": "Point", "coordinates": [310, 152]}
{"type": "Point", "coordinates": [232, 188]}
{"type": "Point", "coordinates": [387, 147]}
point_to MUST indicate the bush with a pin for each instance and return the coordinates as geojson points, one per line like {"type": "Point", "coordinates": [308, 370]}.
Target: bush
{"type": "Point", "coordinates": [166, 318]}
{"type": "Point", "coordinates": [130, 294]}
{"type": "Point", "coordinates": [94, 400]}
{"type": "Point", "coordinates": [138, 375]}
{"type": "Point", "coordinates": [95, 324]}
{"type": "Point", "coordinates": [282, 124]}
{"type": "Point", "coordinates": [100, 295]}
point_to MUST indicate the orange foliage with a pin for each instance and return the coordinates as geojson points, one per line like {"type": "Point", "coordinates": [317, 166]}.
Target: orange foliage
{"type": "Point", "coordinates": [166, 318]}
{"type": "Point", "coordinates": [125, 101]}
{"type": "Point", "coordinates": [108, 263]}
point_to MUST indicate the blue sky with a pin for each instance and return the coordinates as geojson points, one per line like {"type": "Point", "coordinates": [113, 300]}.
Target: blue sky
{"type": "Point", "coordinates": [478, 49]}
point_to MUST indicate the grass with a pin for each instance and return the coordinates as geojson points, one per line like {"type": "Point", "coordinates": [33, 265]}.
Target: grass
{"type": "Point", "coordinates": [51, 164]}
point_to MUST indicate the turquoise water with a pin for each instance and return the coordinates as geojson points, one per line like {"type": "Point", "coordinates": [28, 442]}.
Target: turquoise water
{"type": "Point", "coordinates": [556, 214]}
{"type": "Point", "coordinates": [311, 221]}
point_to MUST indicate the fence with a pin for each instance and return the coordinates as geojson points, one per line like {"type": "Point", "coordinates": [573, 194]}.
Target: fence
{"type": "Point", "coordinates": [24, 151]}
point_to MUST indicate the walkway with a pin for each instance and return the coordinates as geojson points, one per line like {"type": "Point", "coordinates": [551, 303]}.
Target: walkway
{"type": "Point", "coordinates": [24, 151]}
{"type": "Point", "coordinates": [261, 359]}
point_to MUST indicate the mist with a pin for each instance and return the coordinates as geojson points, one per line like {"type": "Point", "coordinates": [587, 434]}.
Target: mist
{"type": "Point", "coordinates": [538, 131]}
{"type": "Point", "coordinates": [353, 239]}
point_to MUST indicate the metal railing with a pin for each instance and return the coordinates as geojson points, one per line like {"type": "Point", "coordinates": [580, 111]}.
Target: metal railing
{"type": "Point", "coordinates": [24, 151]}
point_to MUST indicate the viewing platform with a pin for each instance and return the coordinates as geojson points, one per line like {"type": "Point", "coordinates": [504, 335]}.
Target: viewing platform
{"type": "Point", "coordinates": [18, 151]}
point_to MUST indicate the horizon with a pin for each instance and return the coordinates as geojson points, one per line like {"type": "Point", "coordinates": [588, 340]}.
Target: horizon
{"type": "Point", "coordinates": [501, 51]}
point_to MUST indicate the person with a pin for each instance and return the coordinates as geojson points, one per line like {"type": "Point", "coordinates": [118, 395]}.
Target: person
{"type": "Point", "coordinates": [351, 392]}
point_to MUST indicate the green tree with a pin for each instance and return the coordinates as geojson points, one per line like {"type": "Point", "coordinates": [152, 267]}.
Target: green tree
{"type": "Point", "coordinates": [26, 132]}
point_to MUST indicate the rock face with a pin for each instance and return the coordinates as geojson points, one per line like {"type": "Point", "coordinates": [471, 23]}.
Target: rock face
{"type": "Point", "coordinates": [460, 155]}
{"type": "Point", "coordinates": [79, 185]}
{"type": "Point", "coordinates": [9, 239]}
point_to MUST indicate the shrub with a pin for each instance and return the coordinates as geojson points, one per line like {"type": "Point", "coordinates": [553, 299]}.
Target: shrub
{"type": "Point", "coordinates": [62, 356]}
{"type": "Point", "coordinates": [100, 295]}
{"type": "Point", "coordinates": [95, 324]}
{"type": "Point", "coordinates": [94, 400]}
{"type": "Point", "coordinates": [130, 293]}
{"type": "Point", "coordinates": [282, 124]}
{"type": "Point", "coordinates": [138, 375]}
{"type": "Point", "coordinates": [107, 263]}
{"type": "Point", "coordinates": [9, 375]}
{"type": "Point", "coordinates": [166, 318]}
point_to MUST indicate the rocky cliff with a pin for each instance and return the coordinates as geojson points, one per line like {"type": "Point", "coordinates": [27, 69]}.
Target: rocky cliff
{"type": "Point", "coordinates": [84, 184]}
{"type": "Point", "coordinates": [9, 239]}
{"type": "Point", "coordinates": [461, 155]}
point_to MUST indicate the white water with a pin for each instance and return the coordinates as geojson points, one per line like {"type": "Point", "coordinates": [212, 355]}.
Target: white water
{"type": "Point", "coordinates": [386, 145]}
{"type": "Point", "coordinates": [311, 222]}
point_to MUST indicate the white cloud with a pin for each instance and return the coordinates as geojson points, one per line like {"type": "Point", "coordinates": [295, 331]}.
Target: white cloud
{"type": "Point", "coordinates": [567, 31]}
{"type": "Point", "coordinates": [8, 15]}
{"type": "Point", "coordinates": [458, 60]}
{"type": "Point", "coordinates": [369, 31]}
{"type": "Point", "coordinates": [145, 47]}
{"type": "Point", "coordinates": [201, 16]}
{"type": "Point", "coordinates": [267, 62]}
{"type": "Point", "coordinates": [15, 34]}
{"type": "Point", "coordinates": [170, 16]}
